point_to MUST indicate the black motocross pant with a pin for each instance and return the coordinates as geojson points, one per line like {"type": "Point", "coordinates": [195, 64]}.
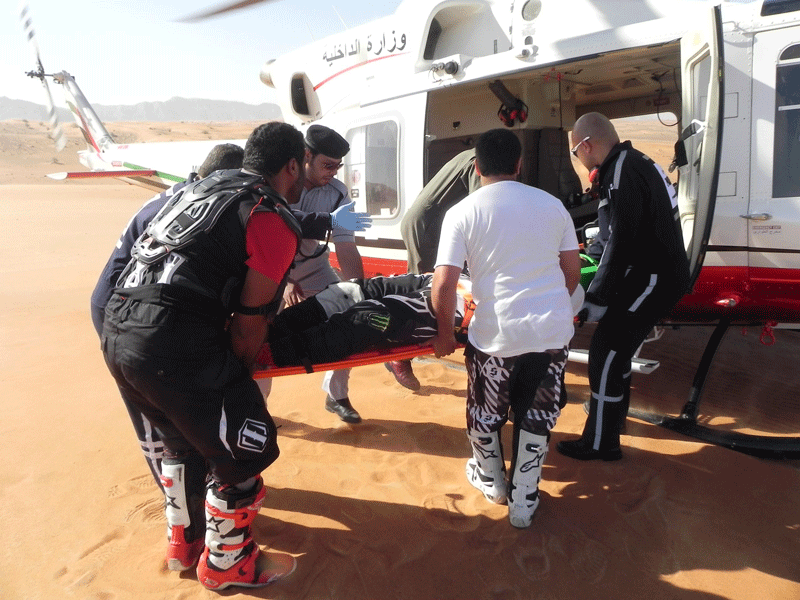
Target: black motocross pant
{"type": "Point", "coordinates": [176, 369]}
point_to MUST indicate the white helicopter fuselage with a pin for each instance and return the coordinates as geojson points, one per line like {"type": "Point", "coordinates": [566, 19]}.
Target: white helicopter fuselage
{"type": "Point", "coordinates": [411, 90]}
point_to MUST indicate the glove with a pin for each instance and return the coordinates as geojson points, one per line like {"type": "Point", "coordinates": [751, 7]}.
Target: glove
{"type": "Point", "coordinates": [590, 312]}
{"type": "Point", "coordinates": [344, 218]}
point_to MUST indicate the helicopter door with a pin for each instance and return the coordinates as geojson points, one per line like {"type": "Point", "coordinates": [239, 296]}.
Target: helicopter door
{"type": "Point", "coordinates": [701, 114]}
{"type": "Point", "coordinates": [774, 213]}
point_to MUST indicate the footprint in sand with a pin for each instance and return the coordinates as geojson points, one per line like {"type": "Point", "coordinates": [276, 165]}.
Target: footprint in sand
{"type": "Point", "coordinates": [586, 556]}
{"type": "Point", "coordinates": [633, 495]}
{"type": "Point", "coordinates": [443, 512]}
{"type": "Point", "coordinates": [90, 562]}
{"type": "Point", "coordinates": [358, 512]}
{"type": "Point", "coordinates": [533, 559]}
{"type": "Point", "coordinates": [137, 485]}
{"type": "Point", "coordinates": [148, 511]}
{"type": "Point", "coordinates": [432, 439]}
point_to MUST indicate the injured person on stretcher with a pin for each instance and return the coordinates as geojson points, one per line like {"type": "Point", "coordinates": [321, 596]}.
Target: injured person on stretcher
{"type": "Point", "coordinates": [359, 315]}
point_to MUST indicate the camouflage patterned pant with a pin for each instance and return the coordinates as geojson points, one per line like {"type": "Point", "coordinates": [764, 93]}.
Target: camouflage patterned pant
{"type": "Point", "coordinates": [530, 385]}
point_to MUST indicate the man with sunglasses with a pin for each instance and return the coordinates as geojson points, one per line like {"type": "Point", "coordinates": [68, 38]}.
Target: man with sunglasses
{"type": "Point", "coordinates": [643, 272]}
{"type": "Point", "coordinates": [312, 272]}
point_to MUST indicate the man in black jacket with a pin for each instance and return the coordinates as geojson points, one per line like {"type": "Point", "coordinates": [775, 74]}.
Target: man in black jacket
{"type": "Point", "coordinates": [643, 272]}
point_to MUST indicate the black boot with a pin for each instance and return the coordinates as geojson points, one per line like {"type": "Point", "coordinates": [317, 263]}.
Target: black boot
{"type": "Point", "coordinates": [604, 446]}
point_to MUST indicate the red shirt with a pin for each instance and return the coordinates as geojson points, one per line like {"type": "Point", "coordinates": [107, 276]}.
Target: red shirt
{"type": "Point", "coordinates": [271, 245]}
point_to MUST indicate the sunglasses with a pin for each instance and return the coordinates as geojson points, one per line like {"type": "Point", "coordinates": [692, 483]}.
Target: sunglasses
{"type": "Point", "coordinates": [574, 151]}
{"type": "Point", "coordinates": [326, 166]}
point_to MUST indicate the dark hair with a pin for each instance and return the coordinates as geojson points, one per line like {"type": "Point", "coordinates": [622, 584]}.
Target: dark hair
{"type": "Point", "coordinates": [497, 152]}
{"type": "Point", "coordinates": [222, 156]}
{"type": "Point", "coordinates": [271, 146]}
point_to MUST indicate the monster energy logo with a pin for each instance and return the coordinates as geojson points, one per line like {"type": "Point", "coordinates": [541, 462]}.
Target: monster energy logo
{"type": "Point", "coordinates": [379, 322]}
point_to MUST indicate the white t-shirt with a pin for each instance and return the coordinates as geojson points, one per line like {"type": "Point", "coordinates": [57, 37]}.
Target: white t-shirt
{"type": "Point", "coordinates": [510, 236]}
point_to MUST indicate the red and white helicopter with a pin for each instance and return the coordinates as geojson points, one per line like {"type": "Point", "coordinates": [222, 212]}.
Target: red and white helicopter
{"type": "Point", "coordinates": [411, 90]}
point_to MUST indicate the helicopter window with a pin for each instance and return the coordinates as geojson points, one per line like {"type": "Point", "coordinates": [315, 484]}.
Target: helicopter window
{"type": "Point", "coordinates": [299, 101]}
{"type": "Point", "coordinates": [433, 37]}
{"type": "Point", "coordinates": [786, 178]}
{"type": "Point", "coordinates": [371, 168]}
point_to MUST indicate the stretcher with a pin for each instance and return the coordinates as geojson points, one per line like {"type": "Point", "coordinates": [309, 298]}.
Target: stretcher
{"type": "Point", "coordinates": [370, 357]}
{"type": "Point", "coordinates": [359, 359]}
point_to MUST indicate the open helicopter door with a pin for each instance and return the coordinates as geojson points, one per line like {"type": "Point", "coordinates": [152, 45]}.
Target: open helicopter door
{"type": "Point", "coordinates": [702, 93]}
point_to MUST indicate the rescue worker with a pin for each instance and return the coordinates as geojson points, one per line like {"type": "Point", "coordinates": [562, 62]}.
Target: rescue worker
{"type": "Point", "coordinates": [312, 272]}
{"type": "Point", "coordinates": [421, 226]}
{"type": "Point", "coordinates": [523, 321]}
{"type": "Point", "coordinates": [643, 272]}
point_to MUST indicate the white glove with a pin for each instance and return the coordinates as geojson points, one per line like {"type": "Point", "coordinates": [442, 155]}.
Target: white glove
{"type": "Point", "coordinates": [344, 218]}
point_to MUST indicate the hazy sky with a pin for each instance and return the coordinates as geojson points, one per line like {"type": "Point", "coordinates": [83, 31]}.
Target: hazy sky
{"type": "Point", "coordinates": [127, 52]}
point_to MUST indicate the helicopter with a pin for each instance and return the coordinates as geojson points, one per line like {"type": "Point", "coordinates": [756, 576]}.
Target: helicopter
{"type": "Point", "coordinates": [411, 90]}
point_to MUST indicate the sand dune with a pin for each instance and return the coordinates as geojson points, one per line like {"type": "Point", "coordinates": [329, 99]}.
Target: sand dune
{"type": "Point", "coordinates": [382, 509]}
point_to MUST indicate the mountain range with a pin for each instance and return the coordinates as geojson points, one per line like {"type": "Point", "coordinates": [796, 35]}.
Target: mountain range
{"type": "Point", "coordinates": [174, 109]}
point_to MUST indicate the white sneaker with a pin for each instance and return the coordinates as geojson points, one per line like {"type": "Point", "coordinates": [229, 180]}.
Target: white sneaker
{"type": "Point", "coordinates": [495, 491]}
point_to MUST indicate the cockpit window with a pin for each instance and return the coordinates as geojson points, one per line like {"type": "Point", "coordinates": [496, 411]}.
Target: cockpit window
{"type": "Point", "coordinates": [371, 172]}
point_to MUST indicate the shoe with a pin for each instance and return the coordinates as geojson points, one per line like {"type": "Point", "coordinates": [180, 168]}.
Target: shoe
{"type": "Point", "coordinates": [182, 555]}
{"type": "Point", "coordinates": [343, 408]}
{"type": "Point", "coordinates": [494, 491]}
{"type": "Point", "coordinates": [403, 373]}
{"type": "Point", "coordinates": [580, 450]}
{"type": "Point", "coordinates": [256, 569]}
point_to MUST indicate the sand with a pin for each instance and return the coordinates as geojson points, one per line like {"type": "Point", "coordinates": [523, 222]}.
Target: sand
{"type": "Point", "coordinates": [381, 509]}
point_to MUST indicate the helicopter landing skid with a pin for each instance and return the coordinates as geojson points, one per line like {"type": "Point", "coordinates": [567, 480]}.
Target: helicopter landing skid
{"type": "Point", "coordinates": [686, 424]}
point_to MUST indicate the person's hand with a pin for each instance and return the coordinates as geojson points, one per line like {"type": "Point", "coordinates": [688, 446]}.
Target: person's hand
{"type": "Point", "coordinates": [344, 218]}
{"type": "Point", "coordinates": [293, 295]}
{"type": "Point", "coordinates": [590, 312]}
{"type": "Point", "coordinates": [443, 345]}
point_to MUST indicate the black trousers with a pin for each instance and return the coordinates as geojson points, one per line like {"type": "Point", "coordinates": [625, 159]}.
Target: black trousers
{"type": "Point", "coordinates": [636, 309]}
{"type": "Point", "coordinates": [176, 368]}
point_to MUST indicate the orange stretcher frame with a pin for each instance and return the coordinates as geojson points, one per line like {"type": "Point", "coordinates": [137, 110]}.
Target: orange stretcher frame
{"type": "Point", "coordinates": [360, 359]}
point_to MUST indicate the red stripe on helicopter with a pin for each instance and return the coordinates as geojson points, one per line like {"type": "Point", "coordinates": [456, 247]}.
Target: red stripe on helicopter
{"type": "Point", "coordinates": [361, 64]}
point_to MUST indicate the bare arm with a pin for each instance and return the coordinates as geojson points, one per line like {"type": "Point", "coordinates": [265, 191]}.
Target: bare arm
{"type": "Point", "coordinates": [570, 262]}
{"type": "Point", "coordinates": [349, 260]}
{"type": "Point", "coordinates": [443, 299]}
{"type": "Point", "coordinates": [248, 332]}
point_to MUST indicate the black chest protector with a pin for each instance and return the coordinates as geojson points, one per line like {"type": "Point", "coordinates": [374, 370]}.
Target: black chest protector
{"type": "Point", "coordinates": [196, 208]}
{"type": "Point", "coordinates": [197, 240]}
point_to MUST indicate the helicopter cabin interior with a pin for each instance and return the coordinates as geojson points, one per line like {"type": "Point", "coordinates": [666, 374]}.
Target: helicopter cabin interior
{"type": "Point", "coordinates": [629, 83]}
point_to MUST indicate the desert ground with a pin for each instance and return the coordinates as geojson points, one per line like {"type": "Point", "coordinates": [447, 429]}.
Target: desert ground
{"type": "Point", "coordinates": [381, 509]}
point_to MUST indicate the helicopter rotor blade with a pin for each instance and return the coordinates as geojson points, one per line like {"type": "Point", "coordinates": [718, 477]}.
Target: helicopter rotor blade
{"type": "Point", "coordinates": [56, 133]}
{"type": "Point", "coordinates": [220, 9]}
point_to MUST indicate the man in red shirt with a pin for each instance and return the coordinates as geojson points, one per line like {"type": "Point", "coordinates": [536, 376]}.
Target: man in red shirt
{"type": "Point", "coordinates": [181, 335]}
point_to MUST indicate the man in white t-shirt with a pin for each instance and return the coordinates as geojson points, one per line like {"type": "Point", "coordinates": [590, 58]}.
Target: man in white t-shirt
{"type": "Point", "coordinates": [520, 248]}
